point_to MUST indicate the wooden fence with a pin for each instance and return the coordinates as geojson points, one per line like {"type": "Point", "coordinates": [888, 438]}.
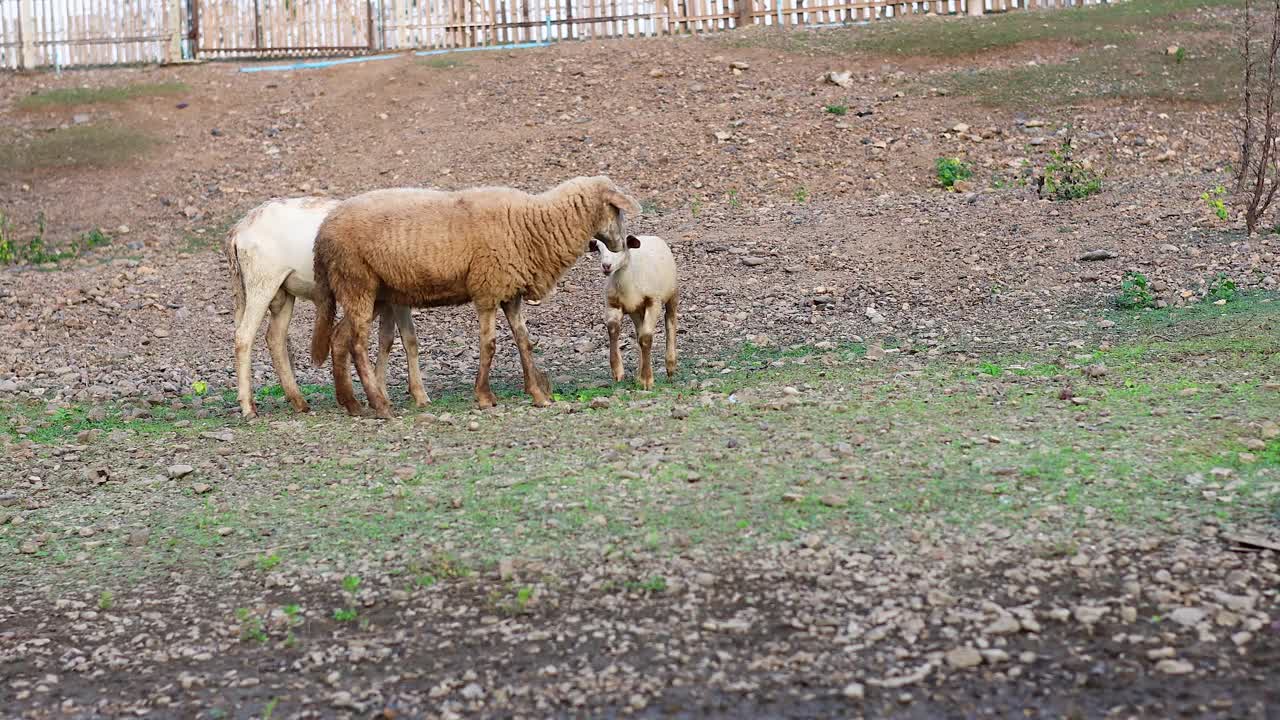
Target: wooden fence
{"type": "Point", "coordinates": [68, 33]}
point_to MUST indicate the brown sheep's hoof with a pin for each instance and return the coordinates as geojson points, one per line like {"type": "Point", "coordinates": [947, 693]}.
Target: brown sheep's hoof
{"type": "Point", "coordinates": [302, 406]}
{"type": "Point", "coordinates": [486, 400]}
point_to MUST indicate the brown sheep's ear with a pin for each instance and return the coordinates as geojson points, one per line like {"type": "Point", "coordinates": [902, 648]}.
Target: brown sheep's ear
{"type": "Point", "coordinates": [633, 242]}
{"type": "Point", "coordinates": [592, 247]}
{"type": "Point", "coordinates": [622, 202]}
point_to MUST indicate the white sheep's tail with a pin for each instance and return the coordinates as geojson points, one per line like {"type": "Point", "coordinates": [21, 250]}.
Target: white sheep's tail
{"type": "Point", "coordinates": [237, 277]}
{"type": "Point", "coordinates": [326, 311]}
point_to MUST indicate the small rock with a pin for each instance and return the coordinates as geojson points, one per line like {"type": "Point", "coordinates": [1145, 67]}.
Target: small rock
{"type": "Point", "coordinates": [179, 471]}
{"type": "Point", "coordinates": [964, 657]}
{"type": "Point", "coordinates": [201, 488]}
{"type": "Point", "coordinates": [741, 66]}
{"type": "Point", "coordinates": [844, 79]}
{"type": "Point", "coordinates": [1088, 615]}
{"type": "Point", "coordinates": [752, 261]}
{"type": "Point", "coordinates": [473, 426]}
{"type": "Point", "coordinates": [1005, 625]}
{"type": "Point", "coordinates": [1096, 255]}
{"type": "Point", "coordinates": [1175, 667]}
{"type": "Point", "coordinates": [138, 538]}
{"type": "Point", "coordinates": [1187, 616]}
{"type": "Point", "coordinates": [224, 531]}
{"type": "Point", "coordinates": [599, 403]}
{"type": "Point", "coordinates": [854, 691]}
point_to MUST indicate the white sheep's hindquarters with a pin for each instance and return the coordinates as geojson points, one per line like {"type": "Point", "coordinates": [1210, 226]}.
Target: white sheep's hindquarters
{"type": "Point", "coordinates": [642, 278]}
{"type": "Point", "coordinates": [270, 257]}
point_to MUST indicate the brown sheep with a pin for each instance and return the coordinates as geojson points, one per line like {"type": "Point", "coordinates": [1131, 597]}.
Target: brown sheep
{"type": "Point", "coordinates": [423, 248]}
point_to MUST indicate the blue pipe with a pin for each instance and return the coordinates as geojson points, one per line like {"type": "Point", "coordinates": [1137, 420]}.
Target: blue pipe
{"type": "Point", "coordinates": [513, 46]}
{"type": "Point", "coordinates": [315, 64]}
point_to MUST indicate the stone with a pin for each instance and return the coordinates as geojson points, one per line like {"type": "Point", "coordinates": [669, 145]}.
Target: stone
{"type": "Point", "coordinates": [1187, 616]}
{"type": "Point", "coordinates": [963, 657]}
{"type": "Point", "coordinates": [179, 471]}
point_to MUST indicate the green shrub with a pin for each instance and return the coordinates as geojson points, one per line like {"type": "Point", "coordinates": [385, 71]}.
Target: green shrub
{"type": "Point", "coordinates": [951, 171]}
{"type": "Point", "coordinates": [1067, 179]}
{"type": "Point", "coordinates": [1135, 293]}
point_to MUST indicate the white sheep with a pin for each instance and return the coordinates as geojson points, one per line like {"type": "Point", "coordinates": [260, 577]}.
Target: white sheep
{"type": "Point", "coordinates": [270, 257]}
{"type": "Point", "coordinates": [642, 276]}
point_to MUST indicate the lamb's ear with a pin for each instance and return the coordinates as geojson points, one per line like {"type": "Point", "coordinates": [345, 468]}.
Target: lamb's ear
{"type": "Point", "coordinates": [633, 242]}
{"type": "Point", "coordinates": [592, 247]}
{"type": "Point", "coordinates": [623, 202]}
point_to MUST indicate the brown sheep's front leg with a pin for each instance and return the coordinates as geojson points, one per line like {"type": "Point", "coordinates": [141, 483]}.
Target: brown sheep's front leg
{"type": "Point", "coordinates": [535, 381]}
{"type": "Point", "coordinates": [488, 344]}
{"type": "Point", "coordinates": [613, 321]}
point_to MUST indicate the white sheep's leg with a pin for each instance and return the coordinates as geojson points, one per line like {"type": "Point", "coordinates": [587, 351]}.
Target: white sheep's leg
{"type": "Point", "coordinates": [386, 336]}
{"type": "Point", "coordinates": [646, 322]}
{"type": "Point", "coordinates": [409, 338]}
{"type": "Point", "coordinates": [488, 344]}
{"type": "Point", "coordinates": [535, 381]}
{"type": "Point", "coordinates": [278, 342]}
{"type": "Point", "coordinates": [613, 321]}
{"type": "Point", "coordinates": [255, 307]}
{"type": "Point", "coordinates": [360, 312]}
{"type": "Point", "coordinates": [671, 335]}
{"type": "Point", "coordinates": [344, 391]}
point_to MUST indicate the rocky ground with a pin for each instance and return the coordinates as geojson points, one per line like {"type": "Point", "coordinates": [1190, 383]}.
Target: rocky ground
{"type": "Point", "coordinates": [810, 522]}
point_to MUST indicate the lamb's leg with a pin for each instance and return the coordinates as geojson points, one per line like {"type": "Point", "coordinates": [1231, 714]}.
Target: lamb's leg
{"type": "Point", "coordinates": [613, 321]}
{"type": "Point", "coordinates": [535, 381]}
{"type": "Point", "coordinates": [671, 335]}
{"type": "Point", "coordinates": [278, 342]}
{"type": "Point", "coordinates": [409, 338]}
{"type": "Point", "coordinates": [344, 391]}
{"type": "Point", "coordinates": [360, 313]}
{"type": "Point", "coordinates": [646, 321]}
{"type": "Point", "coordinates": [386, 336]}
{"type": "Point", "coordinates": [488, 343]}
{"type": "Point", "coordinates": [255, 307]}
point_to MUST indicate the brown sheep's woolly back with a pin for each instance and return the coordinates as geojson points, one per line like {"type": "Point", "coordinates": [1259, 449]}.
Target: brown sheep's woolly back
{"type": "Point", "coordinates": [425, 248]}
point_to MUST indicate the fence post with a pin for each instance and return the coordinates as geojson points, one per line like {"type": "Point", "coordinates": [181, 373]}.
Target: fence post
{"type": "Point", "coordinates": [744, 12]}
{"type": "Point", "coordinates": [173, 49]}
{"type": "Point", "coordinates": [26, 35]}
{"type": "Point", "coordinates": [974, 8]}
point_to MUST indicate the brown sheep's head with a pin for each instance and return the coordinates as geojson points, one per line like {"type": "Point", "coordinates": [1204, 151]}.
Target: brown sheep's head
{"type": "Point", "coordinates": [615, 205]}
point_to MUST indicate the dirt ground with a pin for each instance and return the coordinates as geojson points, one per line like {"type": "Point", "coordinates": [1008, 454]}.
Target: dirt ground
{"type": "Point", "coordinates": [916, 465]}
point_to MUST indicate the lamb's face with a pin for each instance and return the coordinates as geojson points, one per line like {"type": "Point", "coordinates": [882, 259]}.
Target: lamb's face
{"type": "Point", "coordinates": [611, 262]}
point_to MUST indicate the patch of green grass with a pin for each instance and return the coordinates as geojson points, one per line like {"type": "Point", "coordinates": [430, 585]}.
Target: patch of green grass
{"type": "Point", "coordinates": [938, 37]}
{"type": "Point", "coordinates": [106, 600]}
{"type": "Point", "coordinates": [441, 62]}
{"type": "Point", "coordinates": [69, 97]}
{"type": "Point", "coordinates": [64, 424]}
{"type": "Point", "coordinates": [837, 109]}
{"type": "Point", "coordinates": [1124, 73]}
{"type": "Point", "coordinates": [345, 615]}
{"type": "Point", "coordinates": [655, 584]}
{"type": "Point", "coordinates": [34, 251]}
{"type": "Point", "coordinates": [1214, 198]}
{"type": "Point", "coordinates": [858, 449]}
{"type": "Point", "coordinates": [81, 146]}
{"type": "Point", "coordinates": [267, 563]}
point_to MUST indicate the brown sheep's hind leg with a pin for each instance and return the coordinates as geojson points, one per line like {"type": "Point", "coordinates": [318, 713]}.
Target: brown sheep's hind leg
{"type": "Point", "coordinates": [278, 342]}
{"type": "Point", "coordinates": [343, 389]}
{"type": "Point", "coordinates": [409, 338]}
{"type": "Point", "coordinates": [361, 315]}
{"type": "Point", "coordinates": [488, 343]}
{"type": "Point", "coordinates": [386, 336]}
{"type": "Point", "coordinates": [535, 381]}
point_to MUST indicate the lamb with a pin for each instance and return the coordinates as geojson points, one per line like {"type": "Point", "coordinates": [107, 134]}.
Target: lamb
{"type": "Point", "coordinates": [489, 246]}
{"type": "Point", "coordinates": [270, 256]}
{"type": "Point", "coordinates": [642, 276]}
